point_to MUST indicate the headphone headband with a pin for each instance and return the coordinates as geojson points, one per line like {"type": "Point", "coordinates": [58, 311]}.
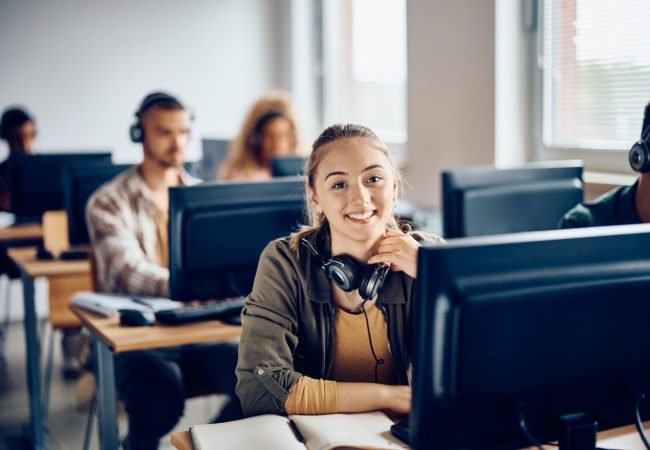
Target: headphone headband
{"type": "Point", "coordinates": [135, 131]}
{"type": "Point", "coordinates": [154, 98]}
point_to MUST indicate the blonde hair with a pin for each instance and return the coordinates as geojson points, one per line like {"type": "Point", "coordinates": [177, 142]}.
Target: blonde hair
{"type": "Point", "coordinates": [242, 156]}
{"type": "Point", "coordinates": [318, 221]}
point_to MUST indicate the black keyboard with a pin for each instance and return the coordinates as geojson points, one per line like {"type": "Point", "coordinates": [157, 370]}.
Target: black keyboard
{"type": "Point", "coordinates": [74, 254]}
{"type": "Point", "coordinates": [227, 310]}
{"type": "Point", "coordinates": [402, 431]}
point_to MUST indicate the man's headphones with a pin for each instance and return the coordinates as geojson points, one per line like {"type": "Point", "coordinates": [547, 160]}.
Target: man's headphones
{"type": "Point", "coordinates": [639, 155]}
{"type": "Point", "coordinates": [136, 132]}
{"type": "Point", "coordinates": [347, 274]}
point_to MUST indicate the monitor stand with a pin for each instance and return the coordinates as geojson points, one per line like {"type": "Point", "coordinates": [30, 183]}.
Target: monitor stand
{"type": "Point", "coordinates": [579, 433]}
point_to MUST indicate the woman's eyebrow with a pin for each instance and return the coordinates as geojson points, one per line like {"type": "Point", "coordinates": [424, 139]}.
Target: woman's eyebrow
{"type": "Point", "coordinates": [335, 173]}
{"type": "Point", "coordinates": [339, 172]}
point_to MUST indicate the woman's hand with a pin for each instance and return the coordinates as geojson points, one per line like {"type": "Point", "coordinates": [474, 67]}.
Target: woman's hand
{"type": "Point", "coordinates": [399, 399]}
{"type": "Point", "coordinates": [400, 250]}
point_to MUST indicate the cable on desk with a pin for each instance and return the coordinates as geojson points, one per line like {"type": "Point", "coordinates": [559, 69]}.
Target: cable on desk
{"type": "Point", "coordinates": [521, 420]}
{"type": "Point", "coordinates": [637, 421]}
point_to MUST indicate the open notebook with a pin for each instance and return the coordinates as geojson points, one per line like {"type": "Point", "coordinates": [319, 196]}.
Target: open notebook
{"type": "Point", "coordinates": [323, 432]}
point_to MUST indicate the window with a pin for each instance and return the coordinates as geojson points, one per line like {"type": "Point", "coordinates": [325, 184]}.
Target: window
{"type": "Point", "coordinates": [364, 62]}
{"type": "Point", "coordinates": [595, 73]}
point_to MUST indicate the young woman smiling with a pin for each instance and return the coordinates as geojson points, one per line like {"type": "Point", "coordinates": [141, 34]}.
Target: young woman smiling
{"type": "Point", "coordinates": [327, 325]}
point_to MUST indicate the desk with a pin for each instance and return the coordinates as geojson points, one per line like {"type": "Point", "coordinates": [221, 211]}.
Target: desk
{"type": "Point", "coordinates": [109, 338]}
{"type": "Point", "coordinates": [618, 438]}
{"type": "Point", "coordinates": [21, 232]}
{"type": "Point", "coordinates": [64, 278]}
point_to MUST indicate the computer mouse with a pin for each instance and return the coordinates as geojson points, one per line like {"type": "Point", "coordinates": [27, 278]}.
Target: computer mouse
{"type": "Point", "coordinates": [43, 253]}
{"type": "Point", "coordinates": [136, 318]}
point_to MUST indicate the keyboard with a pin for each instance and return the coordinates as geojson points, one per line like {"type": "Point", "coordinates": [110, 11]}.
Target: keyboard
{"type": "Point", "coordinates": [74, 254]}
{"type": "Point", "coordinates": [402, 431]}
{"type": "Point", "coordinates": [227, 310]}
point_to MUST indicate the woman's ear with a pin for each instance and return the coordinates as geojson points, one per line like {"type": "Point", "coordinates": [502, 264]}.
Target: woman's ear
{"type": "Point", "coordinates": [312, 199]}
{"type": "Point", "coordinates": [395, 192]}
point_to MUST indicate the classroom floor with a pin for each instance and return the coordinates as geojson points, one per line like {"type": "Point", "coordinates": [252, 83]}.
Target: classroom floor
{"type": "Point", "coordinates": [66, 424]}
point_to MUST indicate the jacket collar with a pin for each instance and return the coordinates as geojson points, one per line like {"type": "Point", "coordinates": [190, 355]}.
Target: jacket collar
{"type": "Point", "coordinates": [137, 188]}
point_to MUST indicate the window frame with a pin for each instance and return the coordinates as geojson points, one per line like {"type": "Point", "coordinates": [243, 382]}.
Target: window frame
{"type": "Point", "coordinates": [595, 160]}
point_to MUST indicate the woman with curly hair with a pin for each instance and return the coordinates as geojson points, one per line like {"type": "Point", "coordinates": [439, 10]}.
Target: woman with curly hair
{"type": "Point", "coordinates": [269, 130]}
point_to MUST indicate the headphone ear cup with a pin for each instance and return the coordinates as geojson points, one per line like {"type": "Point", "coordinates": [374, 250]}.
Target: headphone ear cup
{"type": "Point", "coordinates": [343, 270]}
{"type": "Point", "coordinates": [372, 280]}
{"type": "Point", "coordinates": [135, 132]}
{"type": "Point", "coordinates": [639, 157]}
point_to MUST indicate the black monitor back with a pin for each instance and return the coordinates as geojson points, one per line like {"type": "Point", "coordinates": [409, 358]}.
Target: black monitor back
{"type": "Point", "coordinates": [79, 183]}
{"type": "Point", "coordinates": [217, 232]}
{"type": "Point", "coordinates": [214, 152]}
{"type": "Point", "coordinates": [549, 323]}
{"type": "Point", "coordinates": [287, 166]}
{"type": "Point", "coordinates": [36, 181]}
{"type": "Point", "coordinates": [486, 200]}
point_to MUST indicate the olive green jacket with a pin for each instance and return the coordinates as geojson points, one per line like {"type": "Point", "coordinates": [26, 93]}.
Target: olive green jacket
{"type": "Point", "coordinates": [288, 325]}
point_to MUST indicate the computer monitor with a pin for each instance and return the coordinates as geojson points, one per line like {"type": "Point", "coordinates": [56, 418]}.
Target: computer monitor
{"type": "Point", "coordinates": [214, 152]}
{"type": "Point", "coordinates": [79, 183]}
{"type": "Point", "coordinates": [287, 166]}
{"type": "Point", "coordinates": [486, 200]}
{"type": "Point", "coordinates": [217, 232]}
{"type": "Point", "coordinates": [540, 327]}
{"type": "Point", "coordinates": [36, 181]}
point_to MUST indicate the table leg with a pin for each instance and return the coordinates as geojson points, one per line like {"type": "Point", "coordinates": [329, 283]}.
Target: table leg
{"type": "Point", "coordinates": [37, 422]}
{"type": "Point", "coordinates": [106, 396]}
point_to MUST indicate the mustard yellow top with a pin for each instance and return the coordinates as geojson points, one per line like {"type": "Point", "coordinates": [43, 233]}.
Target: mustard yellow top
{"type": "Point", "coordinates": [352, 362]}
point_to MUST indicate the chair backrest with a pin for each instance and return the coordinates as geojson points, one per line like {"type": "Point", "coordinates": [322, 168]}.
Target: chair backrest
{"type": "Point", "coordinates": [487, 200]}
{"type": "Point", "coordinates": [55, 231]}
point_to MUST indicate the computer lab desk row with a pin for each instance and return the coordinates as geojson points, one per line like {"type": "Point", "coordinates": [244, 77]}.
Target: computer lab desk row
{"type": "Point", "coordinates": [64, 279]}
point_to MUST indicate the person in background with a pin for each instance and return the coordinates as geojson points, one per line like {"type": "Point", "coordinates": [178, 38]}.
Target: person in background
{"type": "Point", "coordinates": [127, 222]}
{"type": "Point", "coordinates": [326, 328]}
{"type": "Point", "coordinates": [18, 129]}
{"type": "Point", "coordinates": [269, 130]}
{"type": "Point", "coordinates": [623, 205]}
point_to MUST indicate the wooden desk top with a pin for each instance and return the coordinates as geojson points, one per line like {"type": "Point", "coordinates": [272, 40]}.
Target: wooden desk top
{"type": "Point", "coordinates": [26, 259]}
{"type": "Point", "coordinates": [25, 231]}
{"type": "Point", "coordinates": [123, 339]}
{"type": "Point", "coordinates": [618, 438]}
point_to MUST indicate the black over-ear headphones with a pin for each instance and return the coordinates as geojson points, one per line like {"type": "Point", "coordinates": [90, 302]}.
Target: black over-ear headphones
{"type": "Point", "coordinates": [136, 132]}
{"type": "Point", "coordinates": [347, 274]}
{"type": "Point", "coordinates": [639, 155]}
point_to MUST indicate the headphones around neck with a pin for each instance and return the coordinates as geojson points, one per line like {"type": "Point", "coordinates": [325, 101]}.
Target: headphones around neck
{"type": "Point", "coordinates": [136, 132]}
{"type": "Point", "coordinates": [639, 155]}
{"type": "Point", "coordinates": [349, 275]}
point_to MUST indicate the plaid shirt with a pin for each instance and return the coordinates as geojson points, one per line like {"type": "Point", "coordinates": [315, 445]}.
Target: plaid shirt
{"type": "Point", "coordinates": [121, 221]}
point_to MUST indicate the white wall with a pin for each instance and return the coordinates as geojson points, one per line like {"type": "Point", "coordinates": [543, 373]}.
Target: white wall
{"type": "Point", "coordinates": [515, 48]}
{"type": "Point", "coordinates": [451, 92]}
{"type": "Point", "coordinates": [82, 67]}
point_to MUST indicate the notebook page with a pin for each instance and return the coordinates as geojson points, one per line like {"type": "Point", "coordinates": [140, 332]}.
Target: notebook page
{"type": "Point", "coordinates": [260, 432]}
{"type": "Point", "coordinates": [364, 430]}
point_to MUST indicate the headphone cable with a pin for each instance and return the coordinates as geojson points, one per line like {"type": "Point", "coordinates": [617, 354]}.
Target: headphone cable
{"type": "Point", "coordinates": [378, 361]}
